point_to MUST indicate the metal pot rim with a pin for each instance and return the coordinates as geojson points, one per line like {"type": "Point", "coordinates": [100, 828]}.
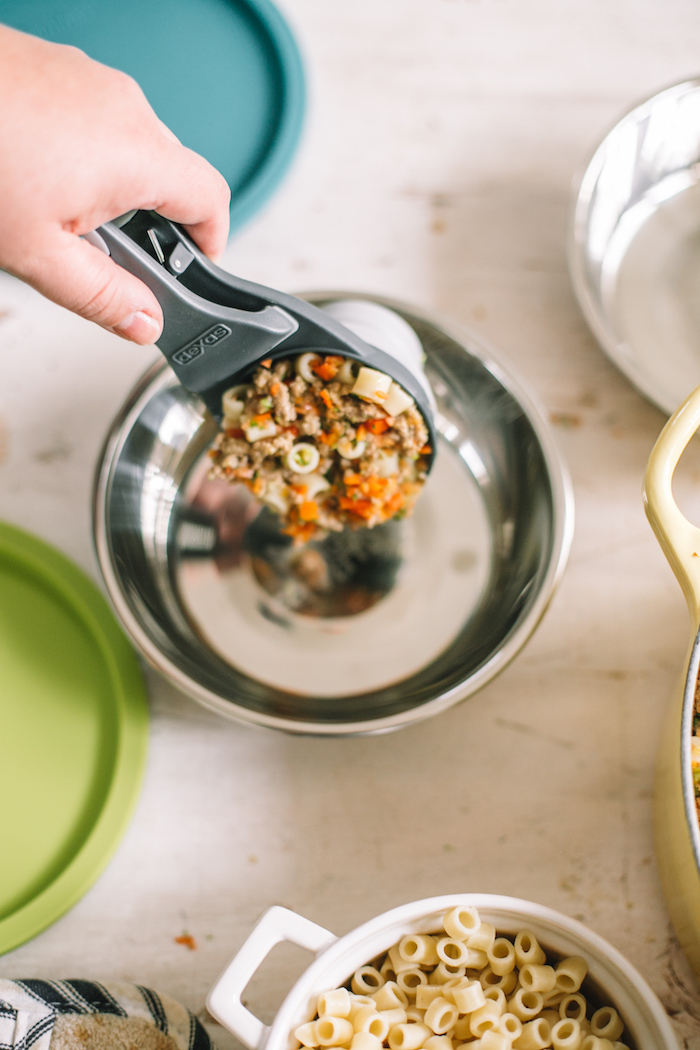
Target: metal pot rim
{"type": "Point", "coordinates": [562, 528]}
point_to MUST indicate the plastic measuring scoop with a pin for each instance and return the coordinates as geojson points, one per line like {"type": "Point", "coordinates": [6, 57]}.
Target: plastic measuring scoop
{"type": "Point", "coordinates": [217, 327]}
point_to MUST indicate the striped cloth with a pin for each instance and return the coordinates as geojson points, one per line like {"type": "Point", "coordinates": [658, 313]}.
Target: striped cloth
{"type": "Point", "coordinates": [29, 1010]}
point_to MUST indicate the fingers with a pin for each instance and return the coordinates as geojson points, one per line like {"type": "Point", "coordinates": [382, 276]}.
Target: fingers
{"type": "Point", "coordinates": [73, 274]}
{"type": "Point", "coordinates": [194, 194]}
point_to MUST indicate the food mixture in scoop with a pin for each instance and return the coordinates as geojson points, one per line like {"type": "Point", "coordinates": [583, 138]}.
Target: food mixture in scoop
{"type": "Point", "coordinates": [325, 443]}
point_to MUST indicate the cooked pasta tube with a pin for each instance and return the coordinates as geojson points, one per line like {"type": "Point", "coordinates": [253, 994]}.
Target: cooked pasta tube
{"type": "Point", "coordinates": [441, 1015]}
{"type": "Point", "coordinates": [357, 1002]}
{"type": "Point", "coordinates": [398, 962]}
{"type": "Point", "coordinates": [462, 1029]}
{"type": "Point", "coordinates": [526, 1005]}
{"type": "Point", "coordinates": [390, 997]}
{"type": "Point", "coordinates": [510, 1025]}
{"type": "Point", "coordinates": [368, 1020]}
{"type": "Point", "coordinates": [573, 1007]}
{"type": "Point", "coordinates": [444, 972]}
{"type": "Point", "coordinates": [372, 385]}
{"type": "Point", "coordinates": [419, 949]}
{"type": "Point", "coordinates": [494, 1040]}
{"type": "Point", "coordinates": [414, 1014]}
{"type": "Point", "coordinates": [485, 1017]}
{"type": "Point", "coordinates": [394, 1017]}
{"type": "Point", "coordinates": [306, 1034]}
{"type": "Point", "coordinates": [456, 953]}
{"type": "Point", "coordinates": [570, 974]}
{"type": "Point", "coordinates": [366, 980]}
{"type": "Point", "coordinates": [567, 1035]}
{"type": "Point", "coordinates": [466, 997]}
{"type": "Point", "coordinates": [387, 969]}
{"type": "Point", "coordinates": [438, 1042]}
{"type": "Point", "coordinates": [483, 938]}
{"type": "Point", "coordinates": [606, 1023]}
{"type": "Point", "coordinates": [537, 978]}
{"type": "Point", "coordinates": [336, 1003]}
{"type": "Point", "coordinates": [461, 923]}
{"type": "Point", "coordinates": [594, 1042]}
{"type": "Point", "coordinates": [550, 1016]}
{"type": "Point", "coordinates": [410, 980]}
{"type": "Point", "coordinates": [365, 1041]}
{"type": "Point", "coordinates": [427, 992]}
{"type": "Point", "coordinates": [497, 996]}
{"type": "Point", "coordinates": [333, 1031]}
{"type": "Point", "coordinates": [506, 981]}
{"type": "Point", "coordinates": [527, 949]}
{"type": "Point", "coordinates": [408, 1036]}
{"type": "Point", "coordinates": [536, 1035]}
{"type": "Point", "coordinates": [501, 957]}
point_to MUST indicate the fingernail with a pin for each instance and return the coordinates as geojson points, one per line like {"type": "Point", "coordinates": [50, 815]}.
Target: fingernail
{"type": "Point", "coordinates": [140, 327]}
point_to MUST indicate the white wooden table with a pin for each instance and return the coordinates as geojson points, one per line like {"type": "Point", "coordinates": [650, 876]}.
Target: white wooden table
{"type": "Point", "coordinates": [442, 139]}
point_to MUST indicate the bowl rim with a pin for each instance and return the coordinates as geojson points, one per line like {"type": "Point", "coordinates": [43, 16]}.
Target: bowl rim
{"type": "Point", "coordinates": [583, 186]}
{"type": "Point", "coordinates": [378, 934]}
{"type": "Point", "coordinates": [160, 375]}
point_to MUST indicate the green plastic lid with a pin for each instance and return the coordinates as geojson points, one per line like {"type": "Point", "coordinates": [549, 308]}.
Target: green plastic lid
{"type": "Point", "coordinates": [73, 734]}
{"type": "Point", "coordinates": [224, 75]}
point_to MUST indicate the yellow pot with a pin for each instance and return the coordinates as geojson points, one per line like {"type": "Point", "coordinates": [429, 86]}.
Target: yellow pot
{"type": "Point", "coordinates": [675, 815]}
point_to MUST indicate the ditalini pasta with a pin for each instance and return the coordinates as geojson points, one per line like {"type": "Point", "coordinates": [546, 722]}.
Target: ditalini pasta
{"type": "Point", "coordinates": [323, 442]}
{"type": "Point", "coordinates": [465, 987]}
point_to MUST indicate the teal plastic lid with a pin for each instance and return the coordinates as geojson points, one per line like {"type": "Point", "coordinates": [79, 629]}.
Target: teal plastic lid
{"type": "Point", "coordinates": [225, 75]}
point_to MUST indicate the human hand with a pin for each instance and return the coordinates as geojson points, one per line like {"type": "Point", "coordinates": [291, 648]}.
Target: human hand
{"type": "Point", "coordinates": [79, 145]}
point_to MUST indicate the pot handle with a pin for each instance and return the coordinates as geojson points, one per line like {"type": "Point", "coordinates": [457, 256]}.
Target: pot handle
{"type": "Point", "coordinates": [678, 537]}
{"type": "Point", "coordinates": [224, 1000]}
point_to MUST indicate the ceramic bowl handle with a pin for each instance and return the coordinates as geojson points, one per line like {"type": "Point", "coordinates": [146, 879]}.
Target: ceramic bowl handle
{"type": "Point", "coordinates": [679, 538]}
{"type": "Point", "coordinates": [224, 1000]}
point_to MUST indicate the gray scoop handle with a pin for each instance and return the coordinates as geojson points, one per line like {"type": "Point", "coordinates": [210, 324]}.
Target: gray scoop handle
{"type": "Point", "coordinates": [217, 328]}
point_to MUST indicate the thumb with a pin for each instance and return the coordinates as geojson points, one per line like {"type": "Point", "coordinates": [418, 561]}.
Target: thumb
{"type": "Point", "coordinates": [82, 278]}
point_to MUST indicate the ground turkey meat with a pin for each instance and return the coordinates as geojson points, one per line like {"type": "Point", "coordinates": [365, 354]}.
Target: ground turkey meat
{"type": "Point", "coordinates": [313, 439]}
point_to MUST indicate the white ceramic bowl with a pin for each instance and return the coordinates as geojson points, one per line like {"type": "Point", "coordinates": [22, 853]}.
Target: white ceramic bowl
{"type": "Point", "coordinates": [646, 1025]}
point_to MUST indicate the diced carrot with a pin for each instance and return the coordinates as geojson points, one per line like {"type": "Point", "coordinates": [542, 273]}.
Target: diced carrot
{"type": "Point", "coordinates": [328, 369]}
{"type": "Point", "coordinates": [308, 511]}
{"type": "Point", "coordinates": [326, 398]}
{"type": "Point", "coordinates": [375, 486]}
{"type": "Point", "coordinates": [261, 419]}
{"type": "Point", "coordinates": [258, 487]}
{"type": "Point", "coordinates": [362, 507]}
{"type": "Point", "coordinates": [300, 532]}
{"type": "Point", "coordinates": [267, 362]}
{"type": "Point", "coordinates": [361, 432]}
{"type": "Point", "coordinates": [426, 450]}
{"type": "Point", "coordinates": [377, 426]}
{"type": "Point", "coordinates": [275, 389]}
{"type": "Point", "coordinates": [393, 504]}
{"type": "Point", "coordinates": [300, 489]}
{"type": "Point", "coordinates": [352, 479]}
{"type": "Point", "coordinates": [188, 941]}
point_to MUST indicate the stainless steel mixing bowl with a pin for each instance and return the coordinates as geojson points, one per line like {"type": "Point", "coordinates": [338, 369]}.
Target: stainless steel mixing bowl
{"type": "Point", "coordinates": [634, 247]}
{"type": "Point", "coordinates": [380, 630]}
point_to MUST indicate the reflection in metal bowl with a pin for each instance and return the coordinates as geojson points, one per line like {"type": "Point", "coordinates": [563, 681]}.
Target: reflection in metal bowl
{"type": "Point", "coordinates": [364, 631]}
{"type": "Point", "coordinates": [634, 249]}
